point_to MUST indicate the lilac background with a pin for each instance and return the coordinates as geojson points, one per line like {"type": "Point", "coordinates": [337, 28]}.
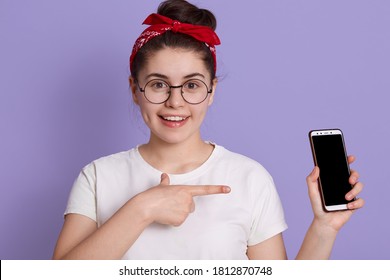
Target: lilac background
{"type": "Point", "coordinates": [285, 67]}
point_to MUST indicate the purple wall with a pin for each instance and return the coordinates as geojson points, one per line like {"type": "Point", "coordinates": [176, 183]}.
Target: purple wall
{"type": "Point", "coordinates": [285, 67]}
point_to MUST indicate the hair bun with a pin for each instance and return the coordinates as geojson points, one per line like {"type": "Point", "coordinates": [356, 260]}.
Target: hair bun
{"type": "Point", "coordinates": [186, 12]}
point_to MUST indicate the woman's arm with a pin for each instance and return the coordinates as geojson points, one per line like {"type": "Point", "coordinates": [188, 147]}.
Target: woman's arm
{"type": "Point", "coordinates": [318, 243]}
{"type": "Point", "coordinates": [321, 235]}
{"type": "Point", "coordinates": [81, 239]}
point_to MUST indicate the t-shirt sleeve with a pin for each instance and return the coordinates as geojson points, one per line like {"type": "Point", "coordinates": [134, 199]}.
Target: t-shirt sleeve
{"type": "Point", "coordinates": [268, 216]}
{"type": "Point", "coordinates": [82, 198]}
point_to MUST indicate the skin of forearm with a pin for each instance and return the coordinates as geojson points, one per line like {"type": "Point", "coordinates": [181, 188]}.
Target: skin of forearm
{"type": "Point", "coordinates": [115, 237]}
{"type": "Point", "coordinates": [318, 243]}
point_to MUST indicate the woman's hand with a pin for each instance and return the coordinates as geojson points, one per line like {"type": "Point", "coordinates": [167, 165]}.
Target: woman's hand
{"type": "Point", "coordinates": [334, 220]}
{"type": "Point", "coordinates": [171, 204]}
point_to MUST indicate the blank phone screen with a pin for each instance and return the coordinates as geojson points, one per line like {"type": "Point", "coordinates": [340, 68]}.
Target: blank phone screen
{"type": "Point", "coordinates": [334, 171]}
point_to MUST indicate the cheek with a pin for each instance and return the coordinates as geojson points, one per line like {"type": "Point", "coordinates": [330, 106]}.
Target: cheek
{"type": "Point", "coordinates": [201, 111]}
{"type": "Point", "coordinates": [146, 110]}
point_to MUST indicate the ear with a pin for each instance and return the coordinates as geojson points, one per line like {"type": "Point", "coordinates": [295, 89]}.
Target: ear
{"type": "Point", "coordinates": [133, 87]}
{"type": "Point", "coordinates": [214, 85]}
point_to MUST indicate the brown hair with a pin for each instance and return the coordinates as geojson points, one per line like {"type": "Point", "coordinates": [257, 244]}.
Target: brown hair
{"type": "Point", "coordinates": [187, 13]}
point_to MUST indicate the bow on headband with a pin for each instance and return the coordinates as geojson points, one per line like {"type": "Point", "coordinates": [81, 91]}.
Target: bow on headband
{"type": "Point", "coordinates": [160, 24]}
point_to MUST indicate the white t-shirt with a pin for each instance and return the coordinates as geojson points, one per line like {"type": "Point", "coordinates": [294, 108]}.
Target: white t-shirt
{"type": "Point", "coordinates": [222, 226]}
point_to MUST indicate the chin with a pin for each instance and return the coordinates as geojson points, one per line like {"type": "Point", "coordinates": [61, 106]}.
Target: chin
{"type": "Point", "coordinates": [173, 140]}
{"type": "Point", "coordinates": [176, 137]}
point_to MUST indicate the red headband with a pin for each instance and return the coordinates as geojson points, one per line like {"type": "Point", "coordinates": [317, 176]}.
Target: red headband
{"type": "Point", "coordinates": [161, 24]}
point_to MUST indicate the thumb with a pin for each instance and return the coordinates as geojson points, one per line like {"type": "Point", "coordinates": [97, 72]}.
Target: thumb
{"type": "Point", "coordinates": [313, 176]}
{"type": "Point", "coordinates": [313, 189]}
{"type": "Point", "coordinates": [312, 181]}
{"type": "Point", "coordinates": [164, 179]}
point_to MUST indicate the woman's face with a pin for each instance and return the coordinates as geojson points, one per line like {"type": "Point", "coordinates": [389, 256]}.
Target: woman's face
{"type": "Point", "coordinates": [174, 121]}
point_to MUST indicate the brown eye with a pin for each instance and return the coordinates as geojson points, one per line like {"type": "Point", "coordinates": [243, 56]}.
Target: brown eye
{"type": "Point", "coordinates": [157, 86]}
{"type": "Point", "coordinates": [193, 85]}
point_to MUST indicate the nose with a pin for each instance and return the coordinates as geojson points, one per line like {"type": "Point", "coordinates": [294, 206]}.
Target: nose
{"type": "Point", "coordinates": [175, 99]}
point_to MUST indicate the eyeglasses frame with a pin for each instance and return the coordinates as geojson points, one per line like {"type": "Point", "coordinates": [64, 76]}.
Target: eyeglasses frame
{"type": "Point", "coordinates": [170, 92]}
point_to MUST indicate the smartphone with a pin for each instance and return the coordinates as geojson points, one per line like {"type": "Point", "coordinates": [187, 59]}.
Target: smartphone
{"type": "Point", "coordinates": [330, 156]}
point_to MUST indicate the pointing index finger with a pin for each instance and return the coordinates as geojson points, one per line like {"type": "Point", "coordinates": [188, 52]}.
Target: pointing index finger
{"type": "Point", "coordinates": [208, 189]}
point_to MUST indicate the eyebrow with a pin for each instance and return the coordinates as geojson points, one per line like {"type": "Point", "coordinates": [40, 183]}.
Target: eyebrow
{"type": "Point", "coordinates": [161, 76]}
{"type": "Point", "coordinates": [156, 75]}
{"type": "Point", "coordinates": [193, 75]}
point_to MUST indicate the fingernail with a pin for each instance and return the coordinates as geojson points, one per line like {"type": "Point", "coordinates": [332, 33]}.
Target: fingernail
{"type": "Point", "coordinates": [226, 189]}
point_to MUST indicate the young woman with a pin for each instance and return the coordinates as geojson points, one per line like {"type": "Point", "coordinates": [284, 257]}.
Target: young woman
{"type": "Point", "coordinates": [178, 196]}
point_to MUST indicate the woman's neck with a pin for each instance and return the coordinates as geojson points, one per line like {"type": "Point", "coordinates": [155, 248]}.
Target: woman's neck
{"type": "Point", "coordinates": [177, 158]}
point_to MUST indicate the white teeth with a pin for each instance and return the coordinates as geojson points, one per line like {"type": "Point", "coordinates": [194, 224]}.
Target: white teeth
{"type": "Point", "coordinates": [174, 118]}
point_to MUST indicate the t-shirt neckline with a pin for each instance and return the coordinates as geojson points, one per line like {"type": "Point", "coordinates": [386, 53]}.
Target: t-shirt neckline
{"type": "Point", "coordinates": [183, 176]}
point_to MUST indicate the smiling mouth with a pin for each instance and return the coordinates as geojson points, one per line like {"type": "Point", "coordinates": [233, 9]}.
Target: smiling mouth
{"type": "Point", "coordinates": [173, 118]}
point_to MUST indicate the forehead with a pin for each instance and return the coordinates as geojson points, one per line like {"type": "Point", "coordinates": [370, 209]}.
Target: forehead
{"type": "Point", "coordinates": [175, 63]}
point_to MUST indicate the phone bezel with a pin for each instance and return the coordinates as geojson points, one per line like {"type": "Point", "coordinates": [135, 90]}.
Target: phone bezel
{"type": "Point", "coordinates": [325, 132]}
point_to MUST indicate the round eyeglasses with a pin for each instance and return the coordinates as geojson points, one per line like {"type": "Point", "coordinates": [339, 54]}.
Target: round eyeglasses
{"type": "Point", "coordinates": [193, 91]}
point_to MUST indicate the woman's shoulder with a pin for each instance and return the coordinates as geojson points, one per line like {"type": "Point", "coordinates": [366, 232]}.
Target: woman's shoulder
{"type": "Point", "coordinates": [114, 160]}
{"type": "Point", "coordinates": [241, 162]}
